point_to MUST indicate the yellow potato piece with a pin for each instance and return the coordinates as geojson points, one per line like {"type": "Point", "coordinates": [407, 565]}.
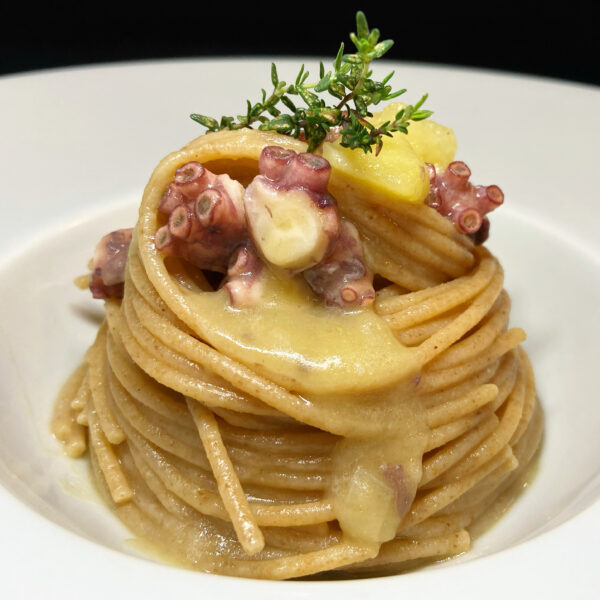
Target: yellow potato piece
{"type": "Point", "coordinates": [432, 142]}
{"type": "Point", "coordinates": [398, 173]}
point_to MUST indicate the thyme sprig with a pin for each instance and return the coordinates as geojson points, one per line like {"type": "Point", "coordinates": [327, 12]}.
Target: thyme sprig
{"type": "Point", "coordinates": [349, 82]}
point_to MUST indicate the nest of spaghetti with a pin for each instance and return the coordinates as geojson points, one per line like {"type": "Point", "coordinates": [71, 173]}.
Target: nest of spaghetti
{"type": "Point", "coordinates": [278, 435]}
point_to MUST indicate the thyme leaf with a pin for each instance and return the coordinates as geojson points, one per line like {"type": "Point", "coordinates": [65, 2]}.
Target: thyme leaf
{"type": "Point", "coordinates": [349, 82]}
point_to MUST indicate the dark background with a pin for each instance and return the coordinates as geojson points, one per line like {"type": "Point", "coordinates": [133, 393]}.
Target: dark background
{"type": "Point", "coordinates": [541, 44]}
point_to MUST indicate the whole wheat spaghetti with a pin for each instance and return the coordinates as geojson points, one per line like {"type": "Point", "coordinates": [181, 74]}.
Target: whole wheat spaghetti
{"type": "Point", "coordinates": [286, 438]}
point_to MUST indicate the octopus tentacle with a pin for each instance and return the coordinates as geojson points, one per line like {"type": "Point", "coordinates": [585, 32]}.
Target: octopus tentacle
{"type": "Point", "coordinates": [343, 278]}
{"type": "Point", "coordinates": [466, 205]}
{"type": "Point", "coordinates": [108, 264]}
{"type": "Point", "coordinates": [245, 277]}
{"type": "Point", "coordinates": [206, 217]}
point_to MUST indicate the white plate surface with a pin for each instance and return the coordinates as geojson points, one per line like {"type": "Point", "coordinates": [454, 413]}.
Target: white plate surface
{"type": "Point", "coordinates": [76, 149]}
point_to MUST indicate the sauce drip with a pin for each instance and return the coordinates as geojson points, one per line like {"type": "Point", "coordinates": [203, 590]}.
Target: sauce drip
{"type": "Point", "coordinates": [374, 481]}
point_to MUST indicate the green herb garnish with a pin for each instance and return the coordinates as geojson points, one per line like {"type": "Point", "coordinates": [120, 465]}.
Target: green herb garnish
{"type": "Point", "coordinates": [349, 82]}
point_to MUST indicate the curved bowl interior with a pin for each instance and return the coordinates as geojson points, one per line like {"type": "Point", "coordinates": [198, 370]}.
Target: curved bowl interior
{"type": "Point", "coordinates": [551, 265]}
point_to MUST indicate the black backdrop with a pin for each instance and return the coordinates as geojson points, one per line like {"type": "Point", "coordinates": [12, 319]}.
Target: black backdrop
{"type": "Point", "coordinates": [543, 44]}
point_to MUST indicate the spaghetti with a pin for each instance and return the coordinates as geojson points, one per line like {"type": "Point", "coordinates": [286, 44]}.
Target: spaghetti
{"type": "Point", "coordinates": [292, 438]}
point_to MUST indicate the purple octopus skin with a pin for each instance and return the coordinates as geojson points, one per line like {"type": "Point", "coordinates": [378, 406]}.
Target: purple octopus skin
{"type": "Point", "coordinates": [245, 277]}
{"type": "Point", "coordinates": [108, 264]}
{"type": "Point", "coordinates": [288, 169]}
{"type": "Point", "coordinates": [189, 180]}
{"type": "Point", "coordinates": [394, 475]}
{"type": "Point", "coordinates": [455, 197]}
{"type": "Point", "coordinates": [342, 279]}
{"type": "Point", "coordinates": [284, 170]}
{"type": "Point", "coordinates": [206, 217]}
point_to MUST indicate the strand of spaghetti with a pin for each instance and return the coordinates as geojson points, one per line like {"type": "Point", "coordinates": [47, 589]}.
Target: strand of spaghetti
{"type": "Point", "coordinates": [399, 269]}
{"type": "Point", "coordinates": [230, 488]}
{"type": "Point", "coordinates": [500, 499]}
{"type": "Point", "coordinates": [80, 399]}
{"type": "Point", "coordinates": [430, 219]}
{"type": "Point", "coordinates": [171, 356]}
{"type": "Point", "coordinates": [304, 441]}
{"type": "Point", "coordinates": [506, 380]}
{"type": "Point", "coordinates": [339, 555]}
{"type": "Point", "coordinates": [435, 527]}
{"type": "Point", "coordinates": [293, 539]}
{"type": "Point", "coordinates": [443, 434]}
{"type": "Point", "coordinates": [462, 254]}
{"type": "Point", "coordinates": [497, 440]}
{"type": "Point", "coordinates": [455, 450]}
{"type": "Point", "coordinates": [201, 492]}
{"type": "Point", "coordinates": [391, 290]}
{"type": "Point", "coordinates": [369, 218]}
{"type": "Point", "coordinates": [530, 397]}
{"type": "Point", "coordinates": [64, 419]}
{"type": "Point", "coordinates": [82, 416]}
{"type": "Point", "coordinates": [502, 374]}
{"type": "Point", "coordinates": [436, 305]}
{"type": "Point", "coordinates": [490, 328]}
{"type": "Point", "coordinates": [350, 195]}
{"type": "Point", "coordinates": [184, 445]}
{"type": "Point", "coordinates": [525, 448]}
{"type": "Point", "coordinates": [255, 450]}
{"type": "Point", "coordinates": [463, 288]}
{"type": "Point", "coordinates": [450, 411]}
{"type": "Point", "coordinates": [264, 495]}
{"type": "Point", "coordinates": [96, 370]}
{"type": "Point", "coordinates": [504, 343]}
{"type": "Point", "coordinates": [399, 551]}
{"type": "Point", "coordinates": [416, 335]}
{"type": "Point", "coordinates": [480, 493]}
{"type": "Point", "coordinates": [444, 338]}
{"type": "Point", "coordinates": [119, 488]}
{"type": "Point", "coordinates": [136, 274]}
{"type": "Point", "coordinates": [143, 388]}
{"type": "Point", "coordinates": [292, 472]}
{"type": "Point", "coordinates": [176, 380]}
{"type": "Point", "coordinates": [248, 421]}
{"type": "Point", "coordinates": [434, 501]}
{"type": "Point", "coordinates": [168, 499]}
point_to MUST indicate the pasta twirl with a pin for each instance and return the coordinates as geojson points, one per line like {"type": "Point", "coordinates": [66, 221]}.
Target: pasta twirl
{"type": "Point", "coordinates": [290, 438]}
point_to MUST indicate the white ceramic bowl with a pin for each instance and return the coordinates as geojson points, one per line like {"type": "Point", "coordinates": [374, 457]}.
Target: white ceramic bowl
{"type": "Point", "coordinates": [77, 147]}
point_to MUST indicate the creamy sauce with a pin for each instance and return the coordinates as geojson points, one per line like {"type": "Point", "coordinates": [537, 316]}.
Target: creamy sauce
{"type": "Point", "coordinates": [374, 481]}
{"type": "Point", "coordinates": [295, 340]}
